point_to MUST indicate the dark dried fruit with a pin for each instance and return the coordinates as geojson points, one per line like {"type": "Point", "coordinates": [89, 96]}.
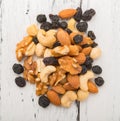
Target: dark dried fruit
{"type": "Point", "coordinates": [91, 35]}
{"type": "Point", "coordinates": [99, 81]}
{"type": "Point", "coordinates": [89, 66]}
{"type": "Point", "coordinates": [78, 15]}
{"type": "Point", "coordinates": [77, 39]}
{"type": "Point", "coordinates": [57, 43]}
{"type": "Point", "coordinates": [54, 18]}
{"type": "Point", "coordinates": [88, 14]}
{"type": "Point", "coordinates": [18, 68]}
{"type": "Point", "coordinates": [82, 26]}
{"type": "Point", "coordinates": [68, 31]}
{"type": "Point", "coordinates": [84, 69]}
{"type": "Point", "coordinates": [94, 44]}
{"type": "Point", "coordinates": [55, 25]}
{"type": "Point", "coordinates": [85, 45]}
{"type": "Point", "coordinates": [35, 40]}
{"type": "Point", "coordinates": [88, 61]}
{"type": "Point", "coordinates": [20, 81]}
{"type": "Point", "coordinates": [63, 25]}
{"type": "Point", "coordinates": [46, 26]}
{"type": "Point", "coordinates": [97, 69]}
{"type": "Point", "coordinates": [50, 61]}
{"type": "Point", "coordinates": [41, 18]}
{"type": "Point", "coordinates": [43, 101]}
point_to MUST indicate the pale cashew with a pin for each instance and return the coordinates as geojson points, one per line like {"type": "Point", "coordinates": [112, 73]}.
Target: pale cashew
{"type": "Point", "coordinates": [32, 30]}
{"type": "Point", "coordinates": [51, 32]}
{"type": "Point", "coordinates": [46, 72]}
{"type": "Point", "coordinates": [68, 98]}
{"type": "Point", "coordinates": [46, 40]}
{"type": "Point", "coordinates": [30, 49]}
{"type": "Point", "coordinates": [82, 95]}
{"type": "Point", "coordinates": [84, 79]}
{"type": "Point", "coordinates": [95, 53]}
{"type": "Point", "coordinates": [48, 53]}
{"type": "Point", "coordinates": [39, 50]}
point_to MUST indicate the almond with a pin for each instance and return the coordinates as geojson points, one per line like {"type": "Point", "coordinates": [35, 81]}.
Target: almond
{"type": "Point", "coordinates": [86, 40]}
{"type": "Point", "coordinates": [87, 50]}
{"type": "Point", "coordinates": [59, 89]}
{"type": "Point", "coordinates": [73, 81]}
{"type": "Point", "coordinates": [67, 13]}
{"type": "Point", "coordinates": [67, 86]}
{"type": "Point", "coordinates": [92, 87]}
{"type": "Point", "coordinates": [53, 97]}
{"type": "Point", "coordinates": [63, 37]}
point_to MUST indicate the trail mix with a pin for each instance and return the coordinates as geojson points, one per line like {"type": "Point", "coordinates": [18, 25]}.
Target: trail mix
{"type": "Point", "coordinates": [58, 58]}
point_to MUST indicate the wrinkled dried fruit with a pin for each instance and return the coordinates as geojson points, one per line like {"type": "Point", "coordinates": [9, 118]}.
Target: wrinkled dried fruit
{"type": "Point", "coordinates": [20, 81]}
{"type": "Point", "coordinates": [97, 69]}
{"type": "Point", "coordinates": [18, 68]}
{"type": "Point", "coordinates": [41, 18]}
{"type": "Point", "coordinates": [46, 26]}
{"type": "Point", "coordinates": [99, 81]}
{"type": "Point", "coordinates": [91, 35]}
{"type": "Point", "coordinates": [82, 26]}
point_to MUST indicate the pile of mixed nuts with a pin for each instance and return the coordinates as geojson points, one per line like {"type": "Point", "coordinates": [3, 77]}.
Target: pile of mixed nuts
{"type": "Point", "coordinates": [58, 58]}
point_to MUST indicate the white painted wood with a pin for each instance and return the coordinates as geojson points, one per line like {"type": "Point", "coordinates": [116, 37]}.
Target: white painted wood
{"type": "Point", "coordinates": [105, 106]}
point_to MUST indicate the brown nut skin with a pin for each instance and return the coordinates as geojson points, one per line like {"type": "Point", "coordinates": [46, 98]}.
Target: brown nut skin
{"type": "Point", "coordinates": [53, 97]}
{"type": "Point", "coordinates": [59, 89]}
{"type": "Point", "coordinates": [86, 40]}
{"type": "Point", "coordinates": [73, 81]}
{"type": "Point", "coordinates": [80, 58]}
{"type": "Point", "coordinates": [68, 87]}
{"type": "Point", "coordinates": [92, 87]}
{"type": "Point", "coordinates": [87, 50]}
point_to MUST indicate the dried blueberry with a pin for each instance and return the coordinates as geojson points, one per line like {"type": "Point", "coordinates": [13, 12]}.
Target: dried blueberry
{"type": "Point", "coordinates": [46, 26]}
{"type": "Point", "coordinates": [89, 66]}
{"type": "Point", "coordinates": [99, 81]}
{"type": "Point", "coordinates": [97, 69]}
{"type": "Point", "coordinates": [50, 61]}
{"type": "Point", "coordinates": [91, 35]}
{"type": "Point", "coordinates": [88, 14]}
{"type": "Point", "coordinates": [35, 40]}
{"type": "Point", "coordinates": [82, 26]}
{"type": "Point", "coordinates": [54, 18]}
{"type": "Point", "coordinates": [20, 81]}
{"type": "Point", "coordinates": [63, 25]}
{"type": "Point", "coordinates": [88, 61]}
{"type": "Point", "coordinates": [43, 101]}
{"type": "Point", "coordinates": [68, 31]}
{"type": "Point", "coordinates": [77, 39]}
{"type": "Point", "coordinates": [57, 43]}
{"type": "Point", "coordinates": [55, 25]}
{"type": "Point", "coordinates": [41, 18]}
{"type": "Point", "coordinates": [94, 44]}
{"type": "Point", "coordinates": [84, 69]}
{"type": "Point", "coordinates": [18, 68]}
{"type": "Point", "coordinates": [85, 45]}
{"type": "Point", "coordinates": [78, 15]}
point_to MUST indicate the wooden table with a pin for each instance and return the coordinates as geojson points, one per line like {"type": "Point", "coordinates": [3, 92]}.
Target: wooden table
{"type": "Point", "coordinates": [21, 104]}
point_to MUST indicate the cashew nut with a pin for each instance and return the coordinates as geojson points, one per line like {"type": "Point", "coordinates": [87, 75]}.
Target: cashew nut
{"type": "Point", "coordinates": [71, 24]}
{"type": "Point", "coordinates": [32, 30]}
{"type": "Point", "coordinates": [51, 32]}
{"type": "Point", "coordinates": [95, 53]}
{"type": "Point", "coordinates": [82, 95]}
{"type": "Point", "coordinates": [46, 72]}
{"type": "Point", "coordinates": [84, 80]}
{"type": "Point", "coordinates": [48, 53]}
{"type": "Point", "coordinates": [68, 98]}
{"type": "Point", "coordinates": [39, 51]}
{"type": "Point", "coordinates": [46, 40]}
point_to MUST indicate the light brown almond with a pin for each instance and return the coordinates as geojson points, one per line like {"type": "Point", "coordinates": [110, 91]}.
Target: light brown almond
{"type": "Point", "coordinates": [92, 87]}
{"type": "Point", "coordinates": [59, 89]}
{"type": "Point", "coordinates": [68, 87]}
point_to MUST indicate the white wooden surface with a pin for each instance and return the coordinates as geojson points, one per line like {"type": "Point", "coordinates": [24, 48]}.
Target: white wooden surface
{"type": "Point", "coordinates": [21, 104]}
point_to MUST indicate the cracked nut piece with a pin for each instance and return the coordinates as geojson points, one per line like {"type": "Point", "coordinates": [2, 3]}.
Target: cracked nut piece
{"type": "Point", "coordinates": [74, 50]}
{"type": "Point", "coordinates": [63, 37]}
{"type": "Point", "coordinates": [20, 54]}
{"type": "Point", "coordinates": [59, 89]}
{"type": "Point", "coordinates": [68, 98]}
{"type": "Point", "coordinates": [82, 95]}
{"type": "Point", "coordinates": [53, 97]}
{"type": "Point", "coordinates": [87, 50]}
{"type": "Point", "coordinates": [95, 53]}
{"type": "Point", "coordinates": [92, 87]}
{"type": "Point", "coordinates": [68, 87]}
{"type": "Point", "coordinates": [46, 72]}
{"type": "Point", "coordinates": [69, 64]}
{"type": "Point", "coordinates": [46, 40]}
{"type": "Point", "coordinates": [32, 30]}
{"type": "Point", "coordinates": [48, 53]}
{"type": "Point", "coordinates": [73, 81]}
{"type": "Point", "coordinates": [86, 40]}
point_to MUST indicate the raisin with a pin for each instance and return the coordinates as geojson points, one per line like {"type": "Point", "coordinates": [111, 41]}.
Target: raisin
{"type": "Point", "coordinates": [35, 40]}
{"type": "Point", "coordinates": [54, 18]}
{"type": "Point", "coordinates": [88, 61]}
{"type": "Point", "coordinates": [89, 66]}
{"type": "Point", "coordinates": [68, 31]}
{"type": "Point", "coordinates": [63, 25]}
{"type": "Point", "coordinates": [84, 69]}
{"type": "Point", "coordinates": [41, 18]}
{"type": "Point", "coordinates": [91, 35]}
{"type": "Point", "coordinates": [88, 14]}
{"type": "Point", "coordinates": [18, 68]}
{"type": "Point", "coordinates": [97, 69]}
{"type": "Point", "coordinates": [78, 15]}
{"type": "Point", "coordinates": [46, 26]}
{"type": "Point", "coordinates": [77, 39]}
{"type": "Point", "coordinates": [43, 101]}
{"type": "Point", "coordinates": [57, 43]}
{"type": "Point", "coordinates": [55, 25]}
{"type": "Point", "coordinates": [85, 45]}
{"type": "Point", "coordinates": [82, 26]}
{"type": "Point", "coordinates": [20, 81]}
{"type": "Point", "coordinates": [94, 44]}
{"type": "Point", "coordinates": [50, 61]}
{"type": "Point", "coordinates": [99, 81]}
